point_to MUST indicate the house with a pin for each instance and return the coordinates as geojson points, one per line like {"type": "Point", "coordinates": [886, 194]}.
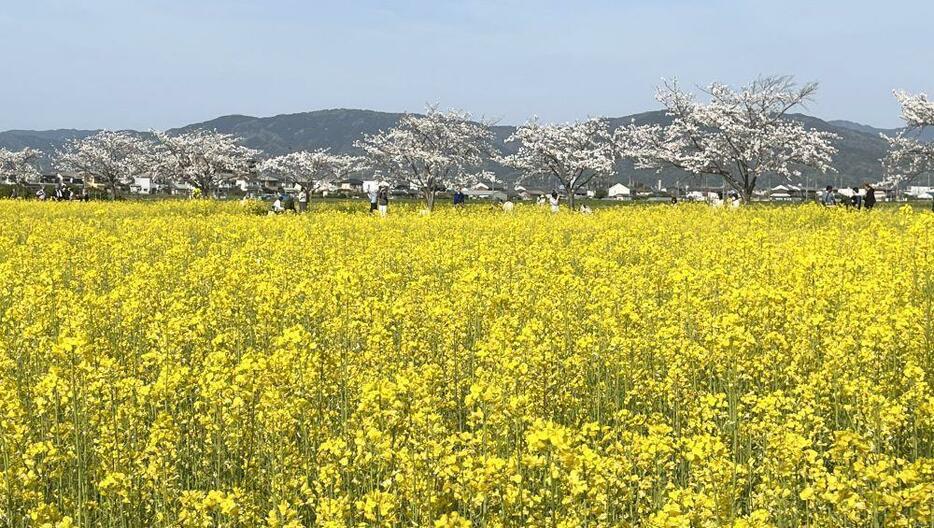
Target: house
{"type": "Point", "coordinates": [181, 188]}
{"type": "Point", "coordinates": [142, 185]}
{"type": "Point", "coordinates": [49, 179]}
{"type": "Point", "coordinates": [247, 186]}
{"type": "Point", "coordinates": [532, 194]}
{"type": "Point", "coordinates": [918, 191]}
{"type": "Point", "coordinates": [71, 178]}
{"type": "Point", "coordinates": [268, 182]}
{"type": "Point", "coordinates": [350, 184]}
{"type": "Point", "coordinates": [480, 194]}
{"type": "Point", "coordinates": [783, 193]}
{"type": "Point", "coordinates": [403, 189]}
{"type": "Point", "coordinates": [480, 186]}
{"type": "Point", "coordinates": [885, 194]}
{"type": "Point", "coordinates": [619, 192]}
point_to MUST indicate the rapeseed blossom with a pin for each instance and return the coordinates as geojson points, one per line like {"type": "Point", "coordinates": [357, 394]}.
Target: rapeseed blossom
{"type": "Point", "coordinates": [192, 364]}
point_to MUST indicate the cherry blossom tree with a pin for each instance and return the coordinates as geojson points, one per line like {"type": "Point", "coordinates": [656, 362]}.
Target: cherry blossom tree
{"type": "Point", "coordinates": [908, 156]}
{"type": "Point", "coordinates": [737, 135]}
{"type": "Point", "coordinates": [311, 170]}
{"type": "Point", "coordinates": [430, 152]}
{"type": "Point", "coordinates": [204, 159]}
{"type": "Point", "coordinates": [19, 166]}
{"type": "Point", "coordinates": [573, 153]}
{"type": "Point", "coordinates": [108, 158]}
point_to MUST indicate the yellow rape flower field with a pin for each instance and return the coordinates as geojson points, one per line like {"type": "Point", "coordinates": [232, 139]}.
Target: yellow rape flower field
{"type": "Point", "coordinates": [193, 365]}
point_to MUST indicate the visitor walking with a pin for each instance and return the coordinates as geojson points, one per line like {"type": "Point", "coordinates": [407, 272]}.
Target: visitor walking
{"type": "Point", "coordinates": [302, 200]}
{"type": "Point", "coordinates": [458, 198]}
{"type": "Point", "coordinates": [829, 199]}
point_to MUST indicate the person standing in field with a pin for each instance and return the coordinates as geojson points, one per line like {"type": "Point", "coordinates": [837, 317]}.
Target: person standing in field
{"type": "Point", "coordinates": [555, 202]}
{"type": "Point", "coordinates": [857, 199]}
{"type": "Point", "coordinates": [508, 206]}
{"type": "Point", "coordinates": [870, 200]}
{"type": "Point", "coordinates": [302, 200]}
{"type": "Point", "coordinates": [829, 199]}
{"type": "Point", "coordinates": [372, 193]}
{"type": "Point", "coordinates": [382, 200]}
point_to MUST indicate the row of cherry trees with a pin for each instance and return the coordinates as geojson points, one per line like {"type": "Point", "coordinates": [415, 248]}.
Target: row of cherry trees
{"type": "Point", "coordinates": [737, 135]}
{"type": "Point", "coordinates": [200, 158]}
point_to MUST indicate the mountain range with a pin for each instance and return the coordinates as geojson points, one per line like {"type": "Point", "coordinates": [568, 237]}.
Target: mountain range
{"type": "Point", "coordinates": [860, 147]}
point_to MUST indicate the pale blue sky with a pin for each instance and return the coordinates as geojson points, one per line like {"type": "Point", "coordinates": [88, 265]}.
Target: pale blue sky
{"type": "Point", "coordinates": [163, 63]}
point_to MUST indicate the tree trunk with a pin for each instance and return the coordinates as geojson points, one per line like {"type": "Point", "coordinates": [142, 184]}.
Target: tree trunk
{"type": "Point", "coordinates": [430, 198]}
{"type": "Point", "coordinates": [571, 193]}
{"type": "Point", "coordinates": [206, 189]}
{"type": "Point", "coordinates": [113, 190]}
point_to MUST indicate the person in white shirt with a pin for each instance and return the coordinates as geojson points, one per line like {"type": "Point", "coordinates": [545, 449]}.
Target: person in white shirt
{"type": "Point", "coordinates": [371, 194]}
{"type": "Point", "coordinates": [508, 206]}
{"type": "Point", "coordinates": [277, 206]}
{"type": "Point", "coordinates": [554, 200]}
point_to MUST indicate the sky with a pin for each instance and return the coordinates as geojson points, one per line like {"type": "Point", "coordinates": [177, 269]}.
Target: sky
{"type": "Point", "coordinates": [159, 64]}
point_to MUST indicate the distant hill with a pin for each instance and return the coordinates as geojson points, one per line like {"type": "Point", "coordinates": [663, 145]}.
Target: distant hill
{"type": "Point", "coordinates": [281, 134]}
{"type": "Point", "coordinates": [925, 135]}
{"type": "Point", "coordinates": [860, 146]}
{"type": "Point", "coordinates": [45, 140]}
